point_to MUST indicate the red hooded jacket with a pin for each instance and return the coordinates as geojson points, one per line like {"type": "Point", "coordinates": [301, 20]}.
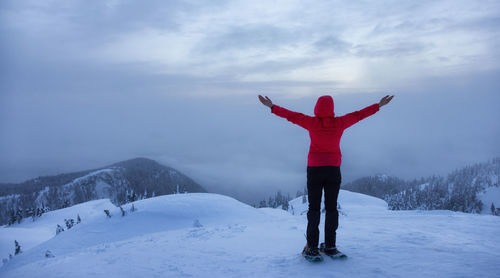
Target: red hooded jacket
{"type": "Point", "coordinates": [324, 129]}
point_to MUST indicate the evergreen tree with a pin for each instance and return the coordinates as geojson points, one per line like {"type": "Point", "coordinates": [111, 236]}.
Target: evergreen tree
{"type": "Point", "coordinates": [19, 216]}
{"type": "Point", "coordinates": [284, 206]}
{"type": "Point", "coordinates": [340, 210]}
{"type": "Point", "coordinates": [49, 254]}
{"type": "Point", "coordinates": [30, 213]}
{"type": "Point", "coordinates": [123, 211]}
{"type": "Point", "coordinates": [34, 214]}
{"type": "Point", "coordinates": [18, 248]}
{"type": "Point", "coordinates": [59, 229]}
{"type": "Point", "coordinates": [262, 203]}
{"type": "Point", "coordinates": [299, 193]}
{"type": "Point", "coordinates": [131, 196]}
{"type": "Point", "coordinates": [13, 217]}
{"type": "Point", "coordinates": [279, 199]}
{"type": "Point", "coordinates": [197, 224]}
{"type": "Point", "coordinates": [69, 223]}
{"type": "Point", "coordinates": [78, 219]}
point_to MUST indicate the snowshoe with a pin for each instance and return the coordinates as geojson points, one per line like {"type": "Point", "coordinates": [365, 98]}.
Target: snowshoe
{"type": "Point", "coordinates": [331, 252]}
{"type": "Point", "coordinates": [311, 254]}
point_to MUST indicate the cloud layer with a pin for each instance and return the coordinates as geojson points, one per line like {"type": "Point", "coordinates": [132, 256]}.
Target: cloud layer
{"type": "Point", "coordinates": [84, 84]}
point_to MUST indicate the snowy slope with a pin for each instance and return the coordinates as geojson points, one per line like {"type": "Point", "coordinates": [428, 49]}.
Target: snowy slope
{"type": "Point", "coordinates": [31, 233]}
{"type": "Point", "coordinates": [350, 202]}
{"type": "Point", "coordinates": [163, 239]}
{"type": "Point", "coordinates": [488, 196]}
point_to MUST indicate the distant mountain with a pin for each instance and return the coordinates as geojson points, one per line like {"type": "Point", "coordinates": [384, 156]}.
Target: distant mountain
{"type": "Point", "coordinates": [121, 182]}
{"type": "Point", "coordinates": [473, 188]}
{"type": "Point", "coordinates": [378, 186]}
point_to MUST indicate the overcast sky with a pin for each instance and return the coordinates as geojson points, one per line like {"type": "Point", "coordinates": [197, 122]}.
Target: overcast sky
{"type": "Point", "coordinates": [87, 83]}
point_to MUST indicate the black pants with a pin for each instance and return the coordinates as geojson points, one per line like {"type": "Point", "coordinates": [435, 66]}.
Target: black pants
{"type": "Point", "coordinates": [329, 179]}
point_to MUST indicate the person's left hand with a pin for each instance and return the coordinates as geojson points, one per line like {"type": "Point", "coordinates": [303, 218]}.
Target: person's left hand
{"type": "Point", "coordinates": [266, 101]}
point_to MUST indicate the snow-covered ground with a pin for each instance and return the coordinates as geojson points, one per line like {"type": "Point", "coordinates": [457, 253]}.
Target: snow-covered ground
{"type": "Point", "coordinates": [210, 235]}
{"type": "Point", "coordinates": [490, 195]}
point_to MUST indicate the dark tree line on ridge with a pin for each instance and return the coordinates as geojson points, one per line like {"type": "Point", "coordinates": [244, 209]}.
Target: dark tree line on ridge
{"type": "Point", "coordinates": [457, 192]}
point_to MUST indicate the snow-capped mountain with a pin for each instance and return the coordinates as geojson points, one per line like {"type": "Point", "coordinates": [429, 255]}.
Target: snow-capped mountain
{"type": "Point", "coordinates": [121, 182]}
{"type": "Point", "coordinates": [473, 188]}
{"type": "Point", "coordinates": [211, 235]}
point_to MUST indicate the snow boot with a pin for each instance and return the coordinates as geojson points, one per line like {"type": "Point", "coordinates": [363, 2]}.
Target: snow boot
{"type": "Point", "coordinates": [331, 252]}
{"type": "Point", "coordinates": [312, 254]}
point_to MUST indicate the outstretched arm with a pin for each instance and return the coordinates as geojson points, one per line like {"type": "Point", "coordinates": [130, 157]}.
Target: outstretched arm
{"type": "Point", "coordinates": [294, 117]}
{"type": "Point", "coordinates": [354, 117]}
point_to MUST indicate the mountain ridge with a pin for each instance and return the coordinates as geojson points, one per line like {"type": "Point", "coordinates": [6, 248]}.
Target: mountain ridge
{"type": "Point", "coordinates": [472, 188]}
{"type": "Point", "coordinates": [121, 182]}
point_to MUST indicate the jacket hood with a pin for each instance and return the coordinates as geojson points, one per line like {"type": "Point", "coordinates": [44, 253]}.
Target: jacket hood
{"type": "Point", "coordinates": [324, 107]}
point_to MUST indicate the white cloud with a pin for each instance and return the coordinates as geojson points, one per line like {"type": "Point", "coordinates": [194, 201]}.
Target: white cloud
{"type": "Point", "coordinates": [238, 39]}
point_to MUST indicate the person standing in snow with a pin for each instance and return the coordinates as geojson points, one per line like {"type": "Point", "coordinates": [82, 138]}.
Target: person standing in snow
{"type": "Point", "coordinates": [323, 165]}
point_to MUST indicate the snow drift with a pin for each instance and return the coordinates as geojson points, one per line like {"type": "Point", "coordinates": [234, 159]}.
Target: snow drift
{"type": "Point", "coordinates": [200, 234]}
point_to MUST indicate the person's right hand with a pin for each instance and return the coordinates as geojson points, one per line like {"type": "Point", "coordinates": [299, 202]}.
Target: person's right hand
{"type": "Point", "coordinates": [266, 101]}
{"type": "Point", "coordinates": [385, 100]}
